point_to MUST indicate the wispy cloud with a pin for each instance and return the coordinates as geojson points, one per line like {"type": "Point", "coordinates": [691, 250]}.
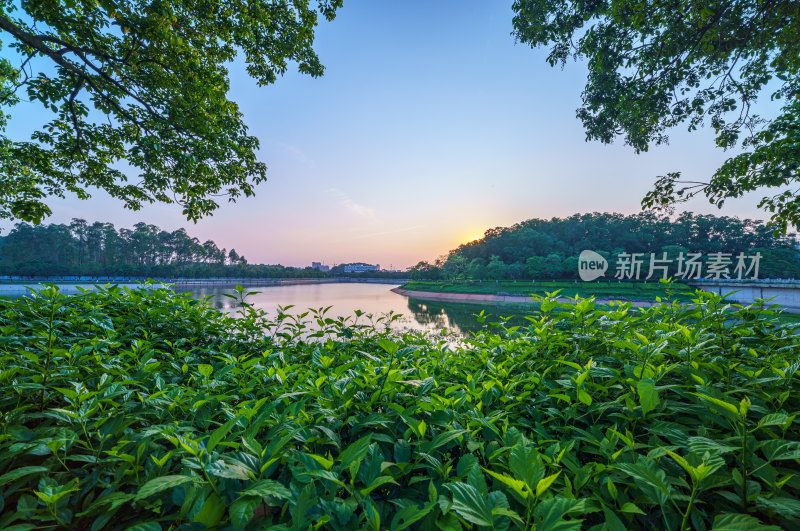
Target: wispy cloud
{"type": "Point", "coordinates": [355, 234]}
{"type": "Point", "coordinates": [352, 206]}
{"type": "Point", "coordinates": [388, 232]}
{"type": "Point", "coordinates": [298, 153]}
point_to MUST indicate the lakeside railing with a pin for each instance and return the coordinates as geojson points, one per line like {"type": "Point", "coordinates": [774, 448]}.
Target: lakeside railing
{"type": "Point", "coordinates": [783, 282]}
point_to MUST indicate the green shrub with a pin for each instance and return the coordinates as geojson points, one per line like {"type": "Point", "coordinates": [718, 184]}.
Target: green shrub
{"type": "Point", "coordinates": [144, 409]}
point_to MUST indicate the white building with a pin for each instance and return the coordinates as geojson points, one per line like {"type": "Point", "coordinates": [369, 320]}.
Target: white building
{"type": "Point", "coordinates": [361, 268]}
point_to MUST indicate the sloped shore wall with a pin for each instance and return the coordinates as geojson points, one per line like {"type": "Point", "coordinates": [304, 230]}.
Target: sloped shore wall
{"type": "Point", "coordinates": [477, 298]}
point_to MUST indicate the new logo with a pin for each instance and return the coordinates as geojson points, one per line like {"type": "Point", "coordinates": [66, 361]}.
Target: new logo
{"type": "Point", "coordinates": [591, 265]}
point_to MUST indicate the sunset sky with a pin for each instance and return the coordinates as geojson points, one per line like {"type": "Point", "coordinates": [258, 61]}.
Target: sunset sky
{"type": "Point", "coordinates": [430, 126]}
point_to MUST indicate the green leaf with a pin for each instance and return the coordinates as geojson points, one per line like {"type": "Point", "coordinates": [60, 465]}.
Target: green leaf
{"type": "Point", "coordinates": [212, 511]}
{"type": "Point", "coordinates": [740, 522]}
{"type": "Point", "coordinates": [778, 450]}
{"type": "Point", "coordinates": [549, 514]}
{"type": "Point", "coordinates": [786, 507]}
{"type": "Point", "coordinates": [112, 499]}
{"type": "Point", "coordinates": [230, 470]}
{"type": "Point", "coordinates": [388, 345]}
{"type": "Point", "coordinates": [681, 461]}
{"type": "Point", "coordinates": [241, 511]}
{"type": "Point", "coordinates": [145, 526]}
{"type": "Point", "coordinates": [470, 504]}
{"type": "Point", "coordinates": [156, 485]}
{"type": "Point", "coordinates": [377, 482]}
{"type": "Point", "coordinates": [267, 487]}
{"type": "Point", "coordinates": [651, 479]}
{"type": "Point", "coordinates": [526, 465]}
{"type": "Point", "coordinates": [584, 397]}
{"type": "Point", "coordinates": [205, 369]}
{"type": "Point", "coordinates": [53, 496]}
{"type": "Point", "coordinates": [326, 475]}
{"type": "Point", "coordinates": [220, 433]}
{"type": "Point", "coordinates": [613, 522]}
{"type": "Point", "coordinates": [516, 485]}
{"type": "Point", "coordinates": [776, 419]}
{"type": "Point", "coordinates": [442, 439]}
{"type": "Point", "coordinates": [410, 514]}
{"type": "Point", "coordinates": [304, 502]}
{"type": "Point", "coordinates": [725, 406]}
{"type": "Point", "coordinates": [326, 463]}
{"type": "Point", "coordinates": [629, 507]}
{"type": "Point", "coordinates": [500, 507]}
{"type": "Point", "coordinates": [648, 396]}
{"type": "Point", "coordinates": [372, 515]}
{"type": "Point", "coordinates": [701, 445]}
{"type": "Point", "coordinates": [433, 494]}
{"type": "Point", "coordinates": [21, 472]}
{"type": "Point", "coordinates": [544, 484]}
{"type": "Point", "coordinates": [355, 452]}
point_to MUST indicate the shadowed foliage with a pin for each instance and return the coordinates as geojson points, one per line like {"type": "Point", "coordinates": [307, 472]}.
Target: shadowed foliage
{"type": "Point", "coordinates": [140, 89]}
{"type": "Point", "coordinates": [654, 65]}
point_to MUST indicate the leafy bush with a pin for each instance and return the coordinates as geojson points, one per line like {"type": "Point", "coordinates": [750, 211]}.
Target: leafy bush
{"type": "Point", "coordinates": [143, 409]}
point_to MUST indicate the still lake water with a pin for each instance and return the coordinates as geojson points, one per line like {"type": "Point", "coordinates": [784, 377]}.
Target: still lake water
{"type": "Point", "coordinates": [345, 298]}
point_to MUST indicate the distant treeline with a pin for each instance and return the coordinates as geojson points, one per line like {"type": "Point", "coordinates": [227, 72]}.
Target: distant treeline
{"type": "Point", "coordinates": [99, 249]}
{"type": "Point", "coordinates": [549, 249]}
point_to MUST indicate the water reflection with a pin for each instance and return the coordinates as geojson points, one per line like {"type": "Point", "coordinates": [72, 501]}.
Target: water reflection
{"type": "Point", "coordinates": [461, 318]}
{"type": "Point", "coordinates": [374, 299]}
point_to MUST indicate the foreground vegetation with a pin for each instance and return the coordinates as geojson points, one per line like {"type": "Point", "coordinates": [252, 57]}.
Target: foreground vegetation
{"type": "Point", "coordinates": [149, 409]}
{"type": "Point", "coordinates": [628, 291]}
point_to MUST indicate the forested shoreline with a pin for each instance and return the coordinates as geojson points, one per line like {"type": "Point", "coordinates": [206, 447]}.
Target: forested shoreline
{"type": "Point", "coordinates": [82, 248]}
{"type": "Point", "coordinates": [99, 249]}
{"type": "Point", "coordinates": [549, 249]}
{"type": "Point", "coordinates": [532, 249]}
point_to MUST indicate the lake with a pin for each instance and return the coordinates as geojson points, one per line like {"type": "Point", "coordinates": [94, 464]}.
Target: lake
{"type": "Point", "coordinates": [344, 298]}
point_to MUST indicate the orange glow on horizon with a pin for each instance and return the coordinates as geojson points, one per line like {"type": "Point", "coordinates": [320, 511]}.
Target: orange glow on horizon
{"type": "Point", "coordinates": [472, 238]}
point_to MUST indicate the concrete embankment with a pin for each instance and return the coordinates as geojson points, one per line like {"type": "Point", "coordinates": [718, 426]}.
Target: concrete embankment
{"type": "Point", "coordinates": [488, 298]}
{"type": "Point", "coordinates": [787, 297]}
{"type": "Point", "coordinates": [785, 294]}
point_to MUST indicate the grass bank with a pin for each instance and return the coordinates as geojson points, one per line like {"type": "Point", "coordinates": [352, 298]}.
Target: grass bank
{"type": "Point", "coordinates": [145, 409]}
{"type": "Point", "coordinates": [650, 291]}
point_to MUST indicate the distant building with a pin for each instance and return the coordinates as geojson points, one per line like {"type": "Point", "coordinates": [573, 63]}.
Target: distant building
{"type": "Point", "coordinates": [361, 268]}
{"type": "Point", "coordinates": [320, 266]}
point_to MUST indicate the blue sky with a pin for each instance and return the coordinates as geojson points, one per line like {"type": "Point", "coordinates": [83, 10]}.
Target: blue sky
{"type": "Point", "coordinates": [430, 126]}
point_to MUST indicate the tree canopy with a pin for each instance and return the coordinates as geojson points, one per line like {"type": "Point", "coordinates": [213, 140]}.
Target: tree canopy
{"type": "Point", "coordinates": [549, 249]}
{"type": "Point", "coordinates": [99, 249]}
{"type": "Point", "coordinates": [141, 88]}
{"type": "Point", "coordinates": [656, 64]}
{"type": "Point", "coordinates": [82, 248]}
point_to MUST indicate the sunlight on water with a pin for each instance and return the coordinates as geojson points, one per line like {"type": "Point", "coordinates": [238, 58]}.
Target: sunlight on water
{"type": "Point", "coordinates": [345, 299]}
